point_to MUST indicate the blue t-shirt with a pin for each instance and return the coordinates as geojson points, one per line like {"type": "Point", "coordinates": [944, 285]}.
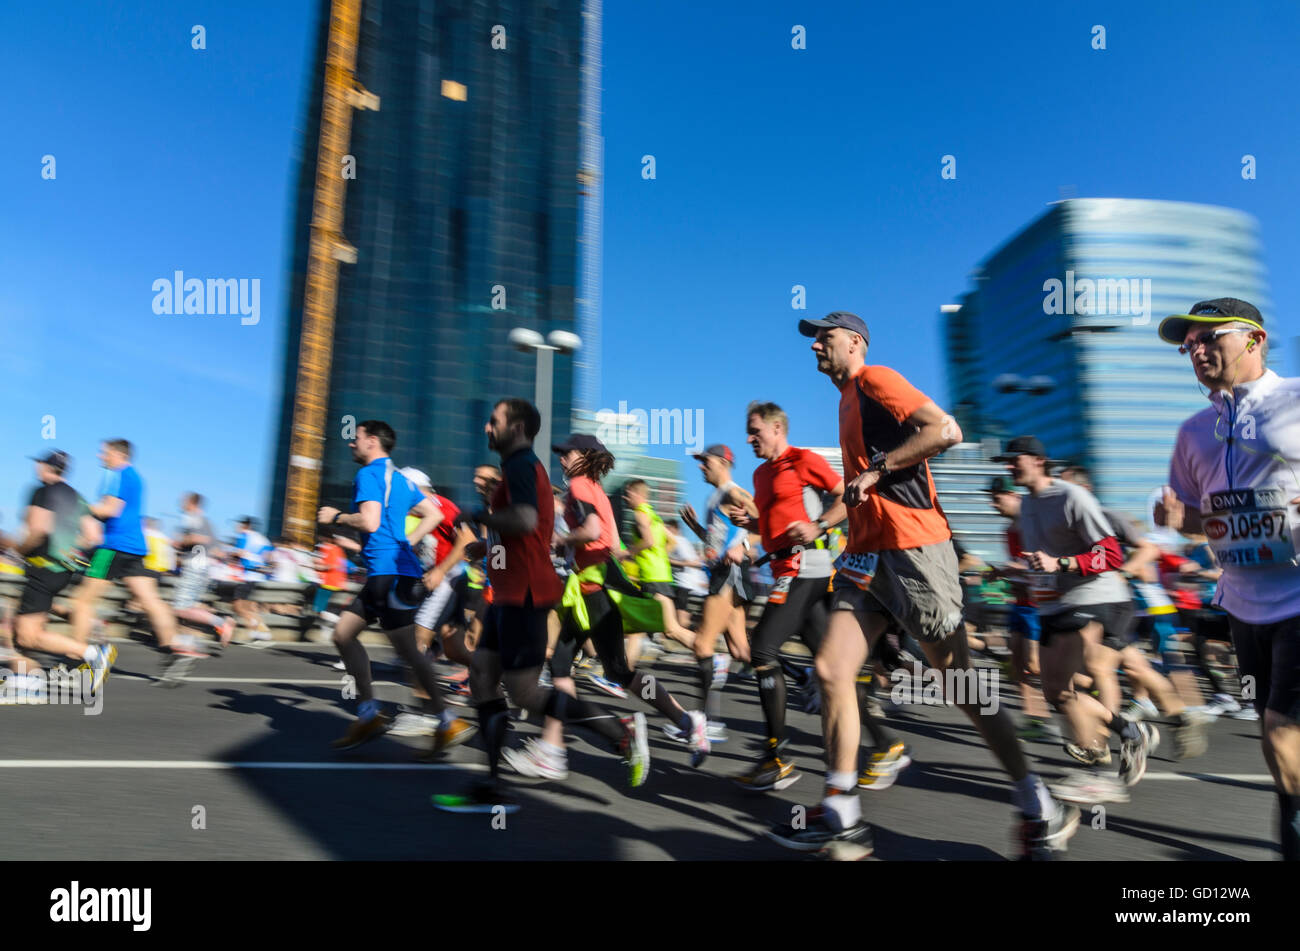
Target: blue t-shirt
{"type": "Point", "coordinates": [124, 533]}
{"type": "Point", "coordinates": [386, 551]}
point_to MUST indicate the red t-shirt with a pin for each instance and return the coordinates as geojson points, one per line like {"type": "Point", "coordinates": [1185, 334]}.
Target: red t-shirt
{"type": "Point", "coordinates": [781, 489]}
{"type": "Point", "coordinates": [583, 498]}
{"type": "Point", "coordinates": [335, 575]}
{"type": "Point", "coordinates": [444, 536]}
{"type": "Point", "coordinates": [902, 509]}
{"type": "Point", "coordinates": [526, 566]}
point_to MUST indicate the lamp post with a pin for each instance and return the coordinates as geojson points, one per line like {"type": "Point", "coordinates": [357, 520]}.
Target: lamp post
{"type": "Point", "coordinates": [557, 341]}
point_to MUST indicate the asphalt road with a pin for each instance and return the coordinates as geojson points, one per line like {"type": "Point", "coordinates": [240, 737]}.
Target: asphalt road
{"type": "Point", "coordinates": [244, 747]}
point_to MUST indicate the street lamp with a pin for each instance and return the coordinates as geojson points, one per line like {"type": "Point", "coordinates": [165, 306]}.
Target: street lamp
{"type": "Point", "coordinates": [523, 339]}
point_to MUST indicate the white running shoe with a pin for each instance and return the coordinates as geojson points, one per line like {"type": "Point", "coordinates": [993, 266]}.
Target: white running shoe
{"type": "Point", "coordinates": [535, 763]}
{"type": "Point", "coordinates": [698, 737]}
{"type": "Point", "coordinates": [1090, 787]}
{"type": "Point", "coordinates": [414, 724]}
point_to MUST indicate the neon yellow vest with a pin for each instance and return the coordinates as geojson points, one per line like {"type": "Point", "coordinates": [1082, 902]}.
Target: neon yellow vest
{"type": "Point", "coordinates": [652, 563]}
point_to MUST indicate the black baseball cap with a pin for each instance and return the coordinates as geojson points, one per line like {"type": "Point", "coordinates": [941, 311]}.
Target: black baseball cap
{"type": "Point", "coordinates": [1001, 484]}
{"type": "Point", "coordinates": [583, 442]}
{"type": "Point", "coordinates": [56, 459]}
{"type": "Point", "coordinates": [838, 318]}
{"type": "Point", "coordinates": [1221, 310]}
{"type": "Point", "coordinates": [719, 450]}
{"type": "Point", "coordinates": [1022, 446]}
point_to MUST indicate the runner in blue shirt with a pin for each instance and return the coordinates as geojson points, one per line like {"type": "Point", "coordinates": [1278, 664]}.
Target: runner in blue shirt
{"type": "Point", "coordinates": [120, 557]}
{"type": "Point", "coordinates": [382, 496]}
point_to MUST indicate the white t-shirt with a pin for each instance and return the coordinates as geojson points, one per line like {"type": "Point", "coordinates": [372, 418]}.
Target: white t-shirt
{"type": "Point", "coordinates": [284, 565]}
{"type": "Point", "coordinates": [1264, 453]}
{"type": "Point", "coordinates": [692, 579]}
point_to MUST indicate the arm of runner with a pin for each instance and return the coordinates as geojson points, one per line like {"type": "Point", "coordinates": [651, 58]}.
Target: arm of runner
{"type": "Point", "coordinates": [1145, 554]}
{"type": "Point", "coordinates": [588, 531]}
{"type": "Point", "coordinates": [465, 538]}
{"type": "Point", "coordinates": [430, 518]}
{"type": "Point", "coordinates": [801, 533]}
{"type": "Point", "coordinates": [37, 525]}
{"type": "Point", "coordinates": [367, 519]}
{"type": "Point", "coordinates": [687, 514]}
{"type": "Point", "coordinates": [110, 506]}
{"type": "Point", "coordinates": [645, 534]}
{"type": "Point", "coordinates": [935, 432]}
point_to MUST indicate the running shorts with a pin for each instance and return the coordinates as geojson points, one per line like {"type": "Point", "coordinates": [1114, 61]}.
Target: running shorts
{"type": "Point", "coordinates": [1023, 619]}
{"type": "Point", "coordinates": [1270, 653]}
{"type": "Point", "coordinates": [40, 589]}
{"type": "Point", "coordinates": [1113, 618]}
{"type": "Point", "coordinates": [437, 609]}
{"type": "Point", "coordinates": [110, 565]}
{"type": "Point", "coordinates": [651, 588]}
{"type": "Point", "coordinates": [918, 587]}
{"type": "Point", "coordinates": [516, 632]}
{"type": "Point", "coordinates": [390, 600]}
{"type": "Point", "coordinates": [725, 573]}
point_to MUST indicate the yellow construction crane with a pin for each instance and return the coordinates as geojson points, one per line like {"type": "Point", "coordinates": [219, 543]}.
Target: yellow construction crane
{"type": "Point", "coordinates": [340, 96]}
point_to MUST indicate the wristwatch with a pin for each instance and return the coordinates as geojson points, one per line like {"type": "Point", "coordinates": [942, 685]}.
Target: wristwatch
{"type": "Point", "coordinates": [337, 516]}
{"type": "Point", "coordinates": [1063, 564]}
{"type": "Point", "coordinates": [877, 464]}
{"type": "Point", "coordinates": [821, 523]}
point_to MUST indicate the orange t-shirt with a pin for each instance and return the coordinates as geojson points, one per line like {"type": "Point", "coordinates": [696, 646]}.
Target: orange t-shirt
{"type": "Point", "coordinates": [901, 510]}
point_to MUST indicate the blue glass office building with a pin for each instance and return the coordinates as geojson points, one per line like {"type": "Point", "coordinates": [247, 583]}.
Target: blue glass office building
{"type": "Point", "coordinates": [465, 215]}
{"type": "Point", "coordinates": [1117, 392]}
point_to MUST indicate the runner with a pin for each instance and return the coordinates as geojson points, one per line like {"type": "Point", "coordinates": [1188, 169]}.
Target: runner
{"type": "Point", "coordinates": [650, 550]}
{"type": "Point", "coordinates": [899, 563]}
{"type": "Point", "coordinates": [1074, 558]}
{"type": "Point", "coordinates": [787, 512]}
{"type": "Point", "coordinates": [1233, 478]}
{"type": "Point", "coordinates": [726, 555]}
{"type": "Point", "coordinates": [589, 612]}
{"type": "Point", "coordinates": [525, 588]}
{"type": "Point", "coordinates": [688, 575]}
{"type": "Point", "coordinates": [382, 497]}
{"type": "Point", "coordinates": [252, 548]}
{"type": "Point", "coordinates": [1118, 649]}
{"type": "Point", "coordinates": [53, 531]}
{"type": "Point", "coordinates": [194, 542]}
{"type": "Point", "coordinates": [120, 557]}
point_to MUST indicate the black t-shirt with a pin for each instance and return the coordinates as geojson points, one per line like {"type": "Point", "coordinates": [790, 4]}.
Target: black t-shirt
{"type": "Point", "coordinates": [67, 507]}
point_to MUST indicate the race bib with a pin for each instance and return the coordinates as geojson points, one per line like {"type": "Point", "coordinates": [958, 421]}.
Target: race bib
{"type": "Point", "coordinates": [1043, 586]}
{"type": "Point", "coordinates": [1249, 528]}
{"type": "Point", "coordinates": [780, 591]}
{"type": "Point", "coordinates": [1152, 599]}
{"type": "Point", "coordinates": [857, 567]}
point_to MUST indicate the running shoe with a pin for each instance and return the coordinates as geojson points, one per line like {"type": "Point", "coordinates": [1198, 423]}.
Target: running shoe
{"type": "Point", "coordinates": [1040, 838]}
{"type": "Point", "coordinates": [260, 638]}
{"type": "Point", "coordinates": [1191, 735]}
{"type": "Point", "coordinates": [177, 667]}
{"type": "Point", "coordinates": [453, 734]}
{"type": "Point", "coordinates": [484, 796]}
{"type": "Point", "coordinates": [1097, 757]}
{"type": "Point", "coordinates": [339, 665]}
{"type": "Point", "coordinates": [770, 772]}
{"type": "Point", "coordinates": [582, 663]}
{"type": "Point", "coordinates": [697, 737]}
{"type": "Point", "coordinates": [226, 631]}
{"type": "Point", "coordinates": [532, 761]}
{"type": "Point", "coordinates": [100, 665]}
{"type": "Point", "coordinates": [1133, 753]}
{"type": "Point", "coordinates": [1034, 730]}
{"type": "Point", "coordinates": [458, 676]}
{"type": "Point", "coordinates": [459, 695]}
{"type": "Point", "coordinates": [361, 731]}
{"type": "Point", "coordinates": [1142, 710]}
{"type": "Point", "coordinates": [717, 731]}
{"type": "Point", "coordinates": [408, 723]}
{"type": "Point", "coordinates": [611, 688]}
{"type": "Point", "coordinates": [674, 733]}
{"type": "Point", "coordinates": [818, 831]}
{"type": "Point", "coordinates": [883, 768]}
{"type": "Point", "coordinates": [1245, 713]}
{"type": "Point", "coordinates": [1089, 786]}
{"type": "Point", "coordinates": [636, 749]}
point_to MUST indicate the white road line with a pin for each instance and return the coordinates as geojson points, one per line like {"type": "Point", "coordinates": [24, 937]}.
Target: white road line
{"type": "Point", "coordinates": [222, 765]}
{"type": "Point", "coordinates": [291, 681]}
{"type": "Point", "coordinates": [1210, 777]}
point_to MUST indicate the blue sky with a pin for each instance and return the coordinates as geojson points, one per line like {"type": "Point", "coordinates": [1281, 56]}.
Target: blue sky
{"type": "Point", "coordinates": [774, 167]}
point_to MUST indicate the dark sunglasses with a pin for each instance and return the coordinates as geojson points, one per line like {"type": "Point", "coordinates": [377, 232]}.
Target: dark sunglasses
{"type": "Point", "coordinates": [1207, 338]}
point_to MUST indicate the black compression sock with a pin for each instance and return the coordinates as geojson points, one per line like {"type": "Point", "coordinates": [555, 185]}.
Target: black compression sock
{"type": "Point", "coordinates": [494, 718]}
{"type": "Point", "coordinates": [704, 671]}
{"type": "Point", "coordinates": [771, 693]}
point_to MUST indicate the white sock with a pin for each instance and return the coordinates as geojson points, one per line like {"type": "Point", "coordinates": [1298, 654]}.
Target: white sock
{"type": "Point", "coordinates": [1033, 799]}
{"type": "Point", "coordinates": [845, 782]}
{"type": "Point", "coordinates": [845, 807]}
{"type": "Point", "coordinates": [446, 718]}
{"type": "Point", "coordinates": [553, 753]}
{"type": "Point", "coordinates": [90, 653]}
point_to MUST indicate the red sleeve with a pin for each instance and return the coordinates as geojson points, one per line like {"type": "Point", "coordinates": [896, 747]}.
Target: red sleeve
{"type": "Point", "coordinates": [816, 471]}
{"type": "Point", "coordinates": [1014, 544]}
{"type": "Point", "coordinates": [1094, 562]}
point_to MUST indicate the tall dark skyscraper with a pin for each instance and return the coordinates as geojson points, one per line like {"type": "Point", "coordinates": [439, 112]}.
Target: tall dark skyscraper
{"type": "Point", "coordinates": [465, 214]}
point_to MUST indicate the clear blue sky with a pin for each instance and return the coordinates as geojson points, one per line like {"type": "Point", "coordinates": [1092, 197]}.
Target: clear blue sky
{"type": "Point", "coordinates": [775, 167]}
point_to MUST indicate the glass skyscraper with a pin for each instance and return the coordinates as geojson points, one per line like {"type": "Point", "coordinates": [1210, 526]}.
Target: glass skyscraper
{"type": "Point", "coordinates": [1058, 338]}
{"type": "Point", "coordinates": [465, 214]}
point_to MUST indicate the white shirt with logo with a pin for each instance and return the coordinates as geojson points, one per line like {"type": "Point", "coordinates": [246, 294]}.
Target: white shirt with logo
{"type": "Point", "coordinates": [1242, 487]}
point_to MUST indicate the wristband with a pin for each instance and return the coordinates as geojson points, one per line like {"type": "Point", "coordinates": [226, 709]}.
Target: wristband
{"type": "Point", "coordinates": [821, 523]}
{"type": "Point", "coordinates": [337, 516]}
{"type": "Point", "coordinates": [877, 464]}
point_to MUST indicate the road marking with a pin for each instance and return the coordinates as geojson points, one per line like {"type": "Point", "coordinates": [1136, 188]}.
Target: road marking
{"type": "Point", "coordinates": [290, 681]}
{"type": "Point", "coordinates": [1238, 777]}
{"type": "Point", "coordinates": [223, 765]}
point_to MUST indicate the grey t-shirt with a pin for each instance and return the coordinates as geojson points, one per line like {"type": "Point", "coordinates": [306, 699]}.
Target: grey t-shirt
{"type": "Point", "coordinates": [1064, 520]}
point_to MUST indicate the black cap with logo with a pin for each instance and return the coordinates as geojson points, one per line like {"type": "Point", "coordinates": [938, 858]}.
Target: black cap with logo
{"type": "Point", "coordinates": [719, 450]}
{"type": "Point", "coordinates": [56, 459]}
{"type": "Point", "coordinates": [583, 442]}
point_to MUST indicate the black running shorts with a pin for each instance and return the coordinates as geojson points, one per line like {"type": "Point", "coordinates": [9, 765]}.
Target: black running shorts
{"type": "Point", "coordinates": [1112, 618]}
{"type": "Point", "coordinates": [794, 606]}
{"type": "Point", "coordinates": [1270, 653]}
{"type": "Point", "coordinates": [517, 633]}
{"type": "Point", "coordinates": [40, 589]}
{"type": "Point", "coordinates": [390, 600]}
{"type": "Point", "coordinates": [110, 565]}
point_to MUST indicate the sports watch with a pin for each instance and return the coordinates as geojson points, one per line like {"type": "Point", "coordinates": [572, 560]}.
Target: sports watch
{"type": "Point", "coordinates": [1063, 564]}
{"type": "Point", "coordinates": [877, 464]}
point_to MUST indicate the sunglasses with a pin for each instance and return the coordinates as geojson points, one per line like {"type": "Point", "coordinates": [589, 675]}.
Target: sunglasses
{"type": "Point", "coordinates": [1207, 338]}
